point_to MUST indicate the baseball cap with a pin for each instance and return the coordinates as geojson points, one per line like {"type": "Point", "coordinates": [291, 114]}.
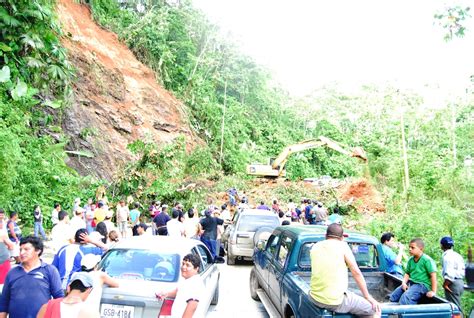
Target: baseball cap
{"type": "Point", "coordinates": [89, 261]}
{"type": "Point", "coordinates": [84, 278]}
{"type": "Point", "coordinates": [447, 241]}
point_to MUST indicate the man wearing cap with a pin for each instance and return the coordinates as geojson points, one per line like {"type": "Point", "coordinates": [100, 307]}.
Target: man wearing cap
{"type": "Point", "coordinates": [73, 305]}
{"type": "Point", "coordinates": [453, 271]}
{"type": "Point", "coordinates": [68, 259]}
{"type": "Point", "coordinates": [329, 278]}
{"type": "Point", "coordinates": [31, 284]}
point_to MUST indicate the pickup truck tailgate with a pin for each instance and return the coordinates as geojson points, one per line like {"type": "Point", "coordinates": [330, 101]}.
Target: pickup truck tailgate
{"type": "Point", "coordinates": [426, 310]}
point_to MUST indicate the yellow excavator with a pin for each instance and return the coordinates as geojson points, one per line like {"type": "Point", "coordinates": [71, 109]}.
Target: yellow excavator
{"type": "Point", "coordinates": [276, 166]}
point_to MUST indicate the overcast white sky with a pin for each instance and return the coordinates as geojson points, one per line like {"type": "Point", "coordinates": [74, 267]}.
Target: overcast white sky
{"type": "Point", "coordinates": [308, 43]}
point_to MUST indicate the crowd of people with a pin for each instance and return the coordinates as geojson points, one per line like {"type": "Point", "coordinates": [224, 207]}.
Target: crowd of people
{"type": "Point", "coordinates": [79, 241]}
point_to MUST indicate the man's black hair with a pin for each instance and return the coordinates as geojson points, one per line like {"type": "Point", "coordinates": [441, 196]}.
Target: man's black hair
{"type": "Point", "coordinates": [262, 203]}
{"type": "Point", "coordinates": [56, 205]}
{"type": "Point", "coordinates": [35, 241]}
{"type": "Point", "coordinates": [77, 236]}
{"type": "Point", "coordinates": [78, 285]}
{"type": "Point", "coordinates": [285, 222]}
{"type": "Point", "coordinates": [13, 213]}
{"type": "Point", "coordinates": [224, 206]}
{"type": "Point", "coordinates": [100, 204]}
{"type": "Point", "coordinates": [175, 214]}
{"type": "Point", "coordinates": [386, 237]}
{"type": "Point", "coordinates": [335, 231]}
{"type": "Point", "coordinates": [62, 215]}
{"type": "Point", "coordinates": [136, 205]}
{"type": "Point", "coordinates": [191, 212]}
{"type": "Point", "coordinates": [143, 226]}
{"type": "Point", "coordinates": [193, 259]}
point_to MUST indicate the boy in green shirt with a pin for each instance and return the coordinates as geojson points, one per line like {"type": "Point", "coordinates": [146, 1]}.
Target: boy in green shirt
{"type": "Point", "coordinates": [420, 276]}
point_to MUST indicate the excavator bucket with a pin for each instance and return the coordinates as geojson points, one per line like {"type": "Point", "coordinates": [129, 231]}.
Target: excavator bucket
{"type": "Point", "coordinates": [358, 152]}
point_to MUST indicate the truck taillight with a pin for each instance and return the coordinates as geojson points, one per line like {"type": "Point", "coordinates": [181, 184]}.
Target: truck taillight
{"type": "Point", "coordinates": [458, 315]}
{"type": "Point", "coordinates": [166, 308]}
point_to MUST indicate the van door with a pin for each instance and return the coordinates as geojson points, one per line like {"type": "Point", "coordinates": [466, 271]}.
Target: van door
{"type": "Point", "coordinates": [277, 269]}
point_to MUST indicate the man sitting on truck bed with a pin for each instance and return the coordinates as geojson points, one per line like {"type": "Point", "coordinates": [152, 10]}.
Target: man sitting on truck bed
{"type": "Point", "coordinates": [329, 278]}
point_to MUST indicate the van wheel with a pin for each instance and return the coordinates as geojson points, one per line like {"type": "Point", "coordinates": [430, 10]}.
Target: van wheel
{"type": "Point", "coordinates": [230, 260]}
{"type": "Point", "coordinates": [215, 298]}
{"type": "Point", "coordinates": [254, 285]}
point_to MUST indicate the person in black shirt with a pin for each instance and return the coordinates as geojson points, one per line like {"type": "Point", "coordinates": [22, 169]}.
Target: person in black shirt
{"type": "Point", "coordinates": [160, 221]}
{"type": "Point", "coordinates": [209, 231]}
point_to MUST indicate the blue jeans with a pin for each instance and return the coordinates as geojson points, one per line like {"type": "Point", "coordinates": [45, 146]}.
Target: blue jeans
{"type": "Point", "coordinates": [39, 228]}
{"type": "Point", "coordinates": [211, 245]}
{"type": "Point", "coordinates": [409, 297]}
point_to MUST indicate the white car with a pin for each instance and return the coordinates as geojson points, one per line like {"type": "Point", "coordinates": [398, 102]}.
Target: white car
{"type": "Point", "coordinates": [147, 264]}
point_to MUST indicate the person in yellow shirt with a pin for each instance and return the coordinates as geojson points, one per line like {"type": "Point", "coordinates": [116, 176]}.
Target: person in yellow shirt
{"type": "Point", "coordinates": [329, 277]}
{"type": "Point", "coordinates": [99, 213]}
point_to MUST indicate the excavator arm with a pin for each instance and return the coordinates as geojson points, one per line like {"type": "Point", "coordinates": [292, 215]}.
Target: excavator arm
{"type": "Point", "coordinates": [276, 168]}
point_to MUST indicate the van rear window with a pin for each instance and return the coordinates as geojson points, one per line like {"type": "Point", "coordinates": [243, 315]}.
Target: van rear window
{"type": "Point", "coordinates": [251, 223]}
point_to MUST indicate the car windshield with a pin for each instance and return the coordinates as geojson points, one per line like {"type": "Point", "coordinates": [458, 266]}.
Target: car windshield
{"type": "Point", "coordinates": [251, 223]}
{"type": "Point", "coordinates": [141, 264]}
{"type": "Point", "coordinates": [365, 255]}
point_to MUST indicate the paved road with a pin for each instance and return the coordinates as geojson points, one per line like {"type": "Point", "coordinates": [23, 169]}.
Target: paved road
{"type": "Point", "coordinates": [234, 294]}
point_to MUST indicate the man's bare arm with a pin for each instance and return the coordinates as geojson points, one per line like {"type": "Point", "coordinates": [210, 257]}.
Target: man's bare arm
{"type": "Point", "coordinates": [190, 309]}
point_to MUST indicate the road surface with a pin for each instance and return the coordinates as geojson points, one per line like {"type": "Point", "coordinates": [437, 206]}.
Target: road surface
{"type": "Point", "coordinates": [234, 294]}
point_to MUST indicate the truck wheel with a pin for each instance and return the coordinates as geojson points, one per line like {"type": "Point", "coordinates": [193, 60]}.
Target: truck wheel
{"type": "Point", "coordinates": [230, 260]}
{"type": "Point", "coordinates": [215, 298]}
{"type": "Point", "coordinates": [254, 285]}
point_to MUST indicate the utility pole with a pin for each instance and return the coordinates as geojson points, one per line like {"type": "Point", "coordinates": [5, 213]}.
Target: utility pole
{"type": "Point", "coordinates": [406, 179]}
{"type": "Point", "coordinates": [223, 123]}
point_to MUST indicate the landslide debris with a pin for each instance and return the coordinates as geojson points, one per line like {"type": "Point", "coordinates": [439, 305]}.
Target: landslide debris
{"type": "Point", "coordinates": [117, 99]}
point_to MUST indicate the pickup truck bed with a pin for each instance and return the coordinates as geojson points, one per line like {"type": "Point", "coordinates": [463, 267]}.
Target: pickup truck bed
{"type": "Point", "coordinates": [282, 272]}
{"type": "Point", "coordinates": [379, 284]}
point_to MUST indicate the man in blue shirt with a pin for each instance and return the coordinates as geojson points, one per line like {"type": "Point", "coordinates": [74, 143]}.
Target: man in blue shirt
{"type": "Point", "coordinates": [31, 284]}
{"type": "Point", "coordinates": [68, 259]}
{"type": "Point", "coordinates": [394, 261]}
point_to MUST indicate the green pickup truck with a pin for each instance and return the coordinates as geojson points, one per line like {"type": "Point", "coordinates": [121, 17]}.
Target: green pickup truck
{"type": "Point", "coordinates": [282, 271]}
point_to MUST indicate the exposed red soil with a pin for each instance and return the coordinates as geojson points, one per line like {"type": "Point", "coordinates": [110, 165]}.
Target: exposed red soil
{"type": "Point", "coordinates": [363, 196]}
{"type": "Point", "coordinates": [116, 98]}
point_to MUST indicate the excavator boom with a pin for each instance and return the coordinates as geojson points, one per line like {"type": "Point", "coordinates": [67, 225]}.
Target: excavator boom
{"type": "Point", "coordinates": [276, 168]}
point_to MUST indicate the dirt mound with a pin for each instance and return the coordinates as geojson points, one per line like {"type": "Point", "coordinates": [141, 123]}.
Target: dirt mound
{"type": "Point", "coordinates": [116, 98]}
{"type": "Point", "coordinates": [363, 196]}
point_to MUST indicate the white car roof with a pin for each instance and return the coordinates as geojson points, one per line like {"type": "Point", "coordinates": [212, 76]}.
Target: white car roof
{"type": "Point", "coordinates": [158, 243]}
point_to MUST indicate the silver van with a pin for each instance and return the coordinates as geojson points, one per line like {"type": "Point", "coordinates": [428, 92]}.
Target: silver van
{"type": "Point", "coordinates": [247, 228]}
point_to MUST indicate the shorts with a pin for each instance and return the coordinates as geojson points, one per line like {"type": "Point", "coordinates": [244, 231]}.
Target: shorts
{"type": "Point", "coordinates": [15, 252]}
{"type": "Point", "coordinates": [352, 303]}
{"type": "Point", "coordinates": [122, 226]}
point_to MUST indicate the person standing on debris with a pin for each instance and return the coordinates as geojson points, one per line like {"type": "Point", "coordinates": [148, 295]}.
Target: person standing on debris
{"type": "Point", "coordinates": [453, 272]}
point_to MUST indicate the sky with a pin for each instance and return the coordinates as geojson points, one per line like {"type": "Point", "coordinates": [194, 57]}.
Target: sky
{"type": "Point", "coordinates": [311, 43]}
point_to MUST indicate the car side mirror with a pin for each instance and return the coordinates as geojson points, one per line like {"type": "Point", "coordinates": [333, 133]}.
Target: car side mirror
{"type": "Point", "coordinates": [261, 244]}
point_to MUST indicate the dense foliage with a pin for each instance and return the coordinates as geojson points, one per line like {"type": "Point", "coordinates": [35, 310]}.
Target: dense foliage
{"type": "Point", "coordinates": [34, 77]}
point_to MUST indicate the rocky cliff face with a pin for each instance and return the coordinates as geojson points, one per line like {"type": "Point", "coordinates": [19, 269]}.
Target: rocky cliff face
{"type": "Point", "coordinates": [116, 98]}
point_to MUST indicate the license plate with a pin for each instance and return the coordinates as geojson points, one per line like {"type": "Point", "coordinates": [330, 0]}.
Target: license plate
{"type": "Point", "coordinates": [116, 311]}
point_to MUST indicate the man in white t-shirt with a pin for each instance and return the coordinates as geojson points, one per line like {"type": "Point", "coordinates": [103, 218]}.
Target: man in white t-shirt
{"type": "Point", "coordinates": [189, 291]}
{"type": "Point", "coordinates": [61, 234]}
{"type": "Point", "coordinates": [174, 226]}
{"type": "Point", "coordinates": [123, 214]}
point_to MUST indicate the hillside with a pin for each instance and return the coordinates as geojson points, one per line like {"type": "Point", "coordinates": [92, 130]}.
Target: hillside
{"type": "Point", "coordinates": [116, 98]}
